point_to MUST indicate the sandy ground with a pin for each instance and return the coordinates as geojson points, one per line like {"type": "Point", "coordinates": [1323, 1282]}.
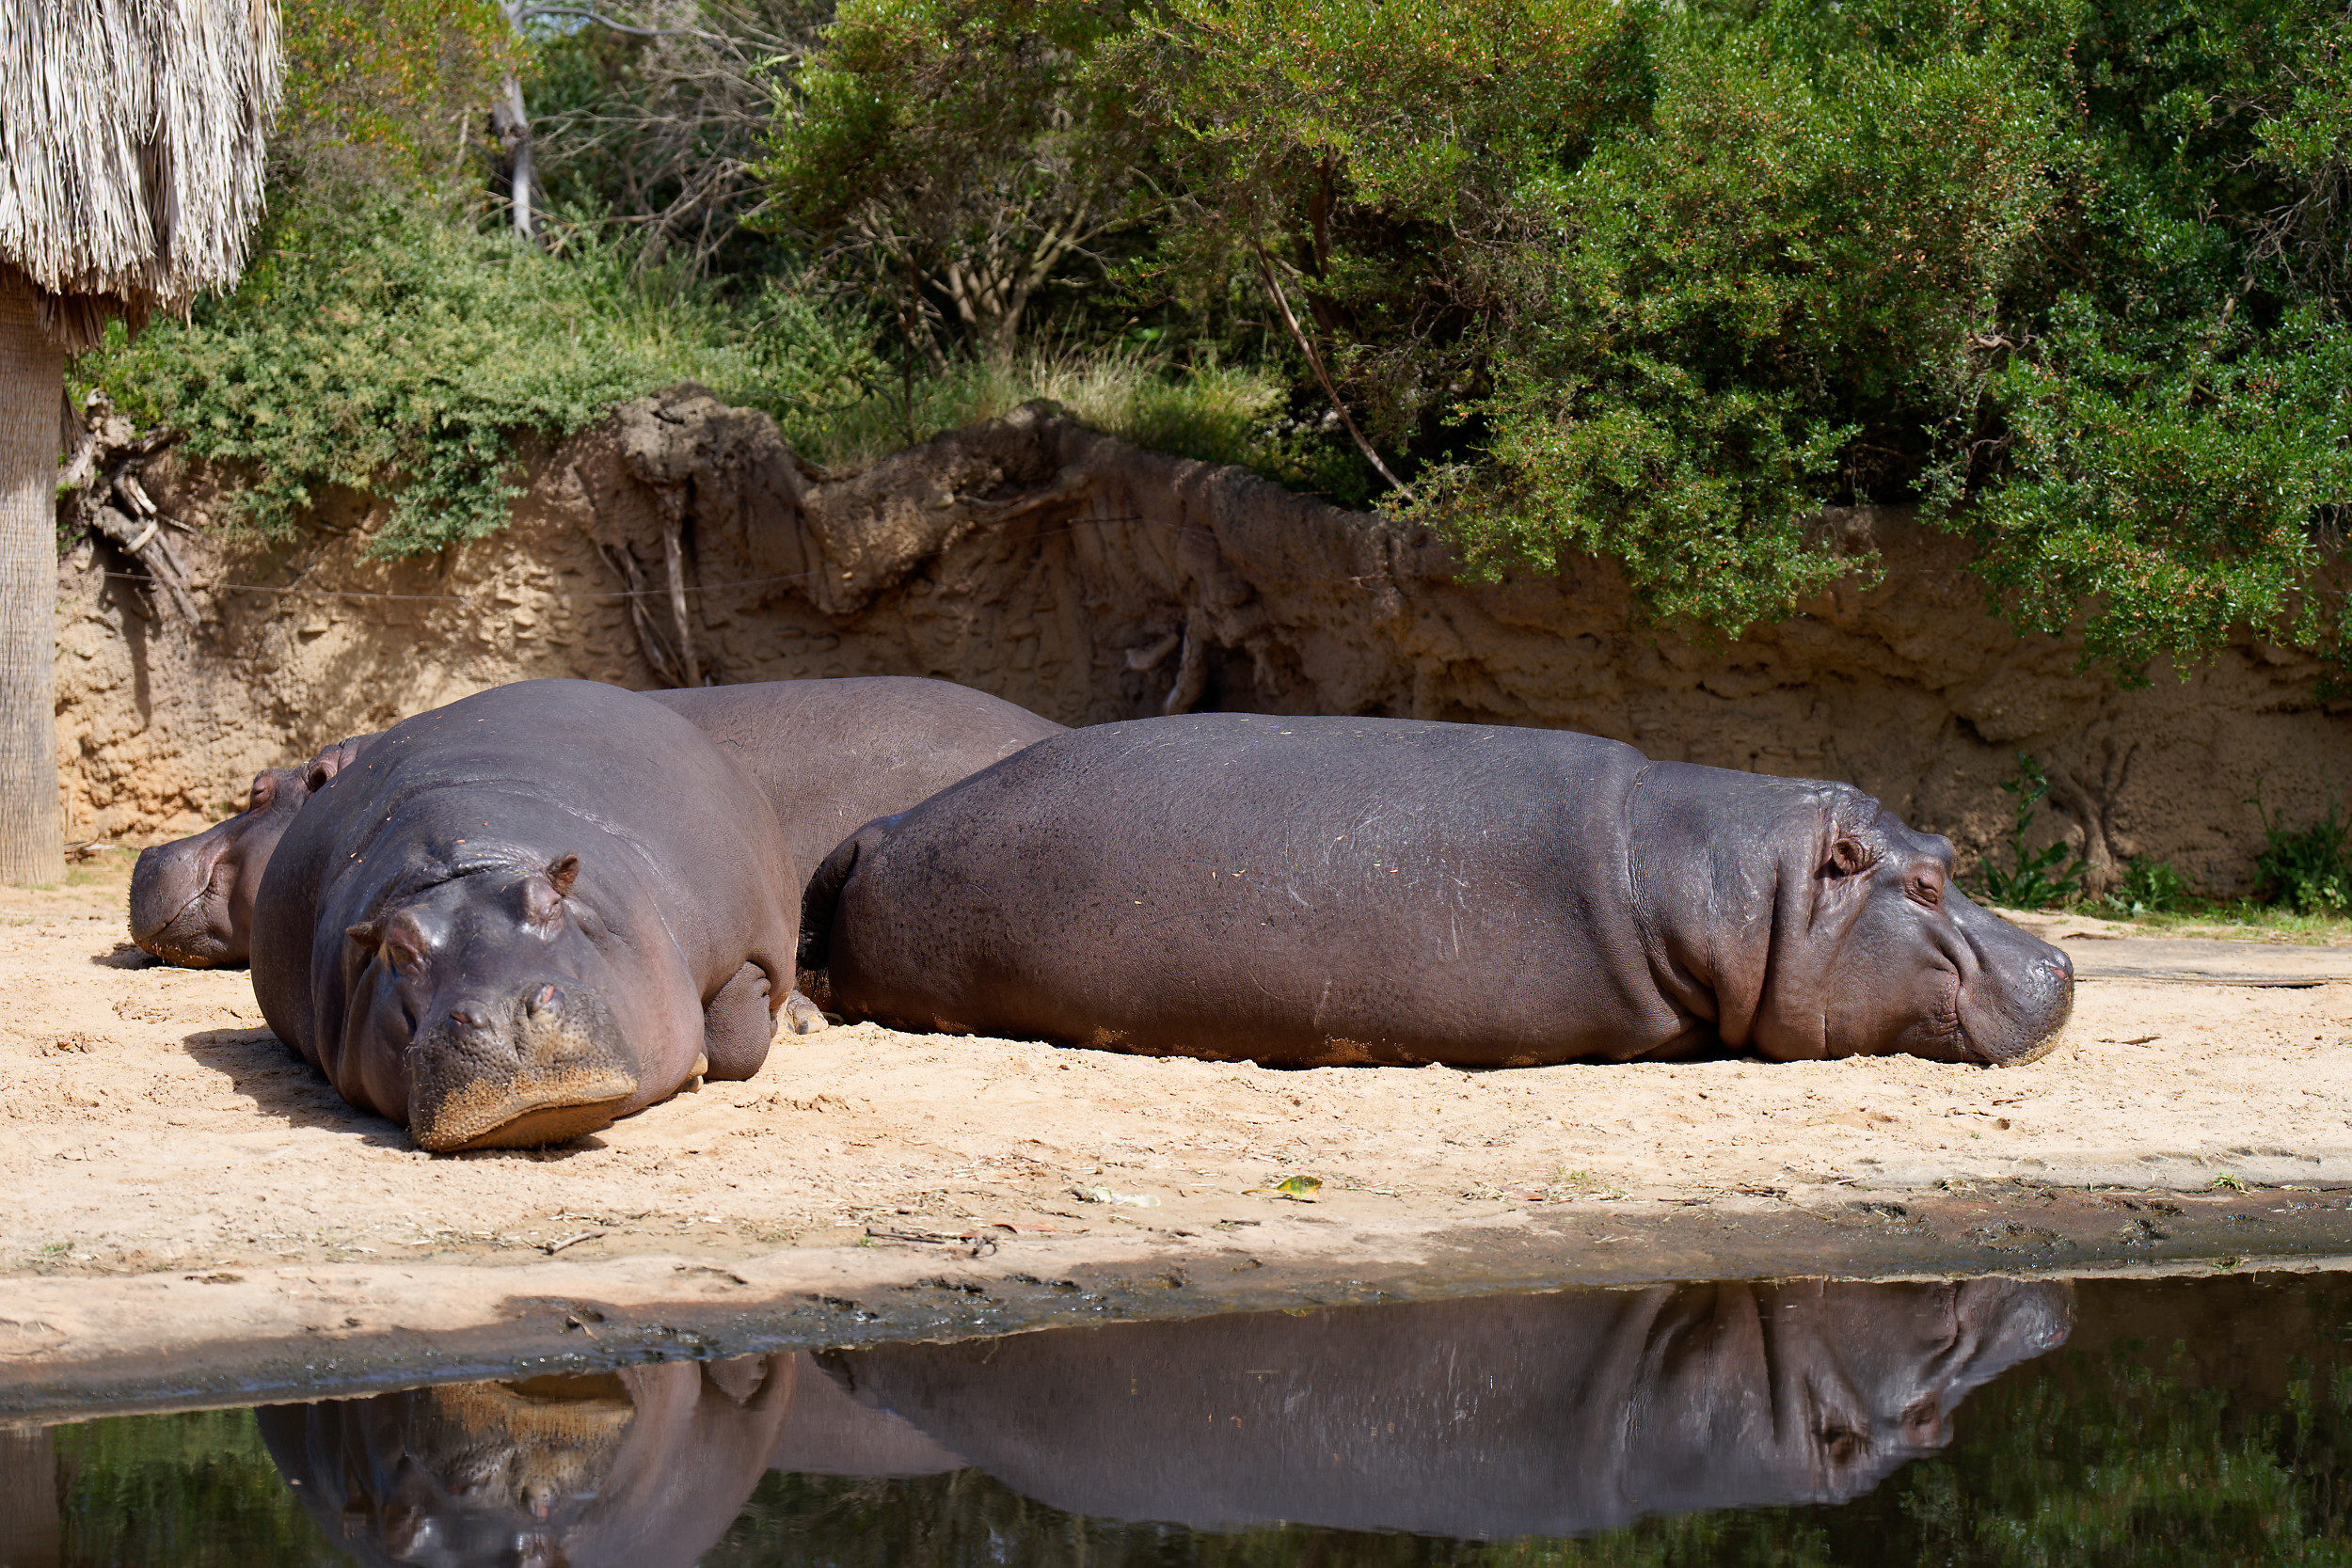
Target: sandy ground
{"type": "Point", "coordinates": [153, 1125]}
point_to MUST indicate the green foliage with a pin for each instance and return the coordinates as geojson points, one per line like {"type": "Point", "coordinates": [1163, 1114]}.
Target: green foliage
{"type": "Point", "coordinates": [955, 153]}
{"type": "Point", "coordinates": [1658, 283]}
{"type": "Point", "coordinates": [1749, 296]}
{"type": "Point", "coordinates": [2308, 869]}
{"type": "Point", "coordinates": [2034, 878]}
{"type": "Point", "coordinates": [407, 353]}
{"type": "Point", "coordinates": [2149, 887]}
{"type": "Point", "coordinates": [1208, 410]}
{"type": "Point", "coordinates": [383, 97]}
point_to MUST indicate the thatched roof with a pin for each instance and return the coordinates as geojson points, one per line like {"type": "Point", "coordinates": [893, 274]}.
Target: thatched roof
{"type": "Point", "coordinates": [131, 151]}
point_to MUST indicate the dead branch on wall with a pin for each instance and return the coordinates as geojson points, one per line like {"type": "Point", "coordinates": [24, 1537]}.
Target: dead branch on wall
{"type": "Point", "coordinates": [100, 493]}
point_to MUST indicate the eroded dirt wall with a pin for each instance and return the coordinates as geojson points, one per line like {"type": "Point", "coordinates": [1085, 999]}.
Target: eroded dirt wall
{"type": "Point", "coordinates": [1091, 581]}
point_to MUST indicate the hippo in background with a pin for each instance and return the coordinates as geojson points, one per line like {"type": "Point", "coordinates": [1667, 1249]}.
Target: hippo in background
{"type": "Point", "coordinates": [832, 755]}
{"type": "Point", "coordinates": [1547, 1416]}
{"type": "Point", "coordinates": [522, 915]}
{"type": "Point", "coordinates": [192, 900]}
{"type": "Point", "coordinates": [1322, 891]}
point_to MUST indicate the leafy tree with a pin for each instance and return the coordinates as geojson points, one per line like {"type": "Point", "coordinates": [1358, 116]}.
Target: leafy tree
{"type": "Point", "coordinates": [955, 153]}
{"type": "Point", "coordinates": [1658, 283]}
{"type": "Point", "coordinates": [388, 97]}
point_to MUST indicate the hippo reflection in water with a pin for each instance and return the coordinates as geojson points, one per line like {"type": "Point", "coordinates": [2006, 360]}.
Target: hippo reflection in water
{"type": "Point", "coordinates": [648, 1465]}
{"type": "Point", "coordinates": [1552, 1415]}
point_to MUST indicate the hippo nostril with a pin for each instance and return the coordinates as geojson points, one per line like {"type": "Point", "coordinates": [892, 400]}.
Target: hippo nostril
{"type": "Point", "coordinates": [542, 999]}
{"type": "Point", "coordinates": [465, 1019]}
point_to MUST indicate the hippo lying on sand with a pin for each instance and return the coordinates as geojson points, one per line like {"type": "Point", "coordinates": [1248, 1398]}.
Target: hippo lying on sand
{"type": "Point", "coordinates": [832, 755]}
{"type": "Point", "coordinates": [522, 915]}
{"type": "Point", "coordinates": [192, 900]}
{"type": "Point", "coordinates": [1318, 891]}
{"type": "Point", "coordinates": [1548, 1414]}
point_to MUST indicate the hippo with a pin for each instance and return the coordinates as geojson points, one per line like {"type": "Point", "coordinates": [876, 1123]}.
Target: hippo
{"type": "Point", "coordinates": [522, 915]}
{"type": "Point", "coordinates": [832, 754]}
{"type": "Point", "coordinates": [1547, 1415]}
{"type": "Point", "coordinates": [1319, 890]}
{"type": "Point", "coordinates": [192, 900]}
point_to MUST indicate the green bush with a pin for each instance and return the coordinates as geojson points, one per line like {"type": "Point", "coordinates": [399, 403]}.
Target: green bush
{"type": "Point", "coordinates": [401, 352]}
{"type": "Point", "coordinates": [2150, 887]}
{"type": "Point", "coordinates": [2305, 869]}
{"type": "Point", "coordinates": [2033, 879]}
{"type": "Point", "coordinates": [1658, 282]}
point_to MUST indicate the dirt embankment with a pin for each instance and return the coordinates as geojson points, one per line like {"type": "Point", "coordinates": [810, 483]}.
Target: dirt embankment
{"type": "Point", "coordinates": [1092, 581]}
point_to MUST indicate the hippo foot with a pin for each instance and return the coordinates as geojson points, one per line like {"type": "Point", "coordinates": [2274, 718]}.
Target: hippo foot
{"type": "Point", "coordinates": [804, 1017]}
{"type": "Point", "coordinates": [736, 1026]}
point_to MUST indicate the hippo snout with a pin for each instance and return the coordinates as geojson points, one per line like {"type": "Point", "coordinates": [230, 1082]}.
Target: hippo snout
{"type": "Point", "coordinates": [170, 916]}
{"type": "Point", "coordinates": [539, 1067]}
{"type": "Point", "coordinates": [2013, 1007]}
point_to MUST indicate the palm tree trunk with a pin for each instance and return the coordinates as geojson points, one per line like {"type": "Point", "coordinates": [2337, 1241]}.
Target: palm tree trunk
{"type": "Point", "coordinates": [32, 389]}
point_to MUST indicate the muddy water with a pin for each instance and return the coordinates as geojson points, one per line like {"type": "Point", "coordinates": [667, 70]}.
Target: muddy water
{"type": "Point", "coordinates": [1985, 1420]}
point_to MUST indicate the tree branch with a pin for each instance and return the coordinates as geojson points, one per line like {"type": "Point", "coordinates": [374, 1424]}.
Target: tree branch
{"type": "Point", "coordinates": [1314, 362]}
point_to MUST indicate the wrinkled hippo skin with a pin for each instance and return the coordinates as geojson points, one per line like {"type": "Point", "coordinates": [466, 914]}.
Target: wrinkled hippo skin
{"type": "Point", "coordinates": [831, 754]}
{"type": "Point", "coordinates": [524, 914]}
{"type": "Point", "coordinates": [1319, 890]}
{"type": "Point", "coordinates": [1547, 1416]}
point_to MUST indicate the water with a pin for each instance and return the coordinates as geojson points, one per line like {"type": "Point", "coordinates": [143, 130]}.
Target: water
{"type": "Point", "coordinates": [1987, 1421]}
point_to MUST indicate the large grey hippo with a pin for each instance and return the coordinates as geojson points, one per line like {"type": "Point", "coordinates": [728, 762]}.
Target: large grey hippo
{"type": "Point", "coordinates": [832, 755]}
{"type": "Point", "coordinates": [1329, 890]}
{"type": "Point", "coordinates": [1551, 1414]}
{"type": "Point", "coordinates": [518, 917]}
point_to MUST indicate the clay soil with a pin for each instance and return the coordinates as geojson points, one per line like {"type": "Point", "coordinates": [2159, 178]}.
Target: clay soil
{"type": "Point", "coordinates": [153, 1124]}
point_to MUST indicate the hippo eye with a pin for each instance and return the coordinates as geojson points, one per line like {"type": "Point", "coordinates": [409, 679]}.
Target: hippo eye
{"type": "Point", "coordinates": [1928, 888]}
{"type": "Point", "coordinates": [263, 788]}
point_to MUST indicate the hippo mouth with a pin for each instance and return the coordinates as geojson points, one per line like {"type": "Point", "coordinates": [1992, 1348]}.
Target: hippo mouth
{"type": "Point", "coordinates": [543, 1075]}
{"type": "Point", "coordinates": [2028, 1021]}
{"type": "Point", "coordinates": [186, 936]}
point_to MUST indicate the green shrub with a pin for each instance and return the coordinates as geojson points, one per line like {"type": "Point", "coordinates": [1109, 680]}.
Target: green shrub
{"type": "Point", "coordinates": [2307, 869]}
{"type": "Point", "coordinates": [2033, 879]}
{"type": "Point", "coordinates": [2150, 887]}
{"type": "Point", "coordinates": [400, 352]}
{"type": "Point", "coordinates": [1208, 410]}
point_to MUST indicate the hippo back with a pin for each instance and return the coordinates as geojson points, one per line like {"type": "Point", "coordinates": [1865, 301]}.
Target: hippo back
{"type": "Point", "coordinates": [1287, 890]}
{"type": "Point", "coordinates": [835, 755]}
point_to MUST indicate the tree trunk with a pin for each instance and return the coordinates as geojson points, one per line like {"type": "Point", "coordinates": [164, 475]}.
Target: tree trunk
{"type": "Point", "coordinates": [32, 389]}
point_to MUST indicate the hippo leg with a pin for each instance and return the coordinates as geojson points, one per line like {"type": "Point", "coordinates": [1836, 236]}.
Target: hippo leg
{"type": "Point", "coordinates": [738, 1025]}
{"type": "Point", "coordinates": [801, 1015]}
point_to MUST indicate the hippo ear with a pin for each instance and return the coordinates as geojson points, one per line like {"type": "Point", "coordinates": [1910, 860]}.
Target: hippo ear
{"type": "Point", "coordinates": [368, 934]}
{"type": "Point", "coordinates": [564, 873]}
{"type": "Point", "coordinates": [1847, 856]}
